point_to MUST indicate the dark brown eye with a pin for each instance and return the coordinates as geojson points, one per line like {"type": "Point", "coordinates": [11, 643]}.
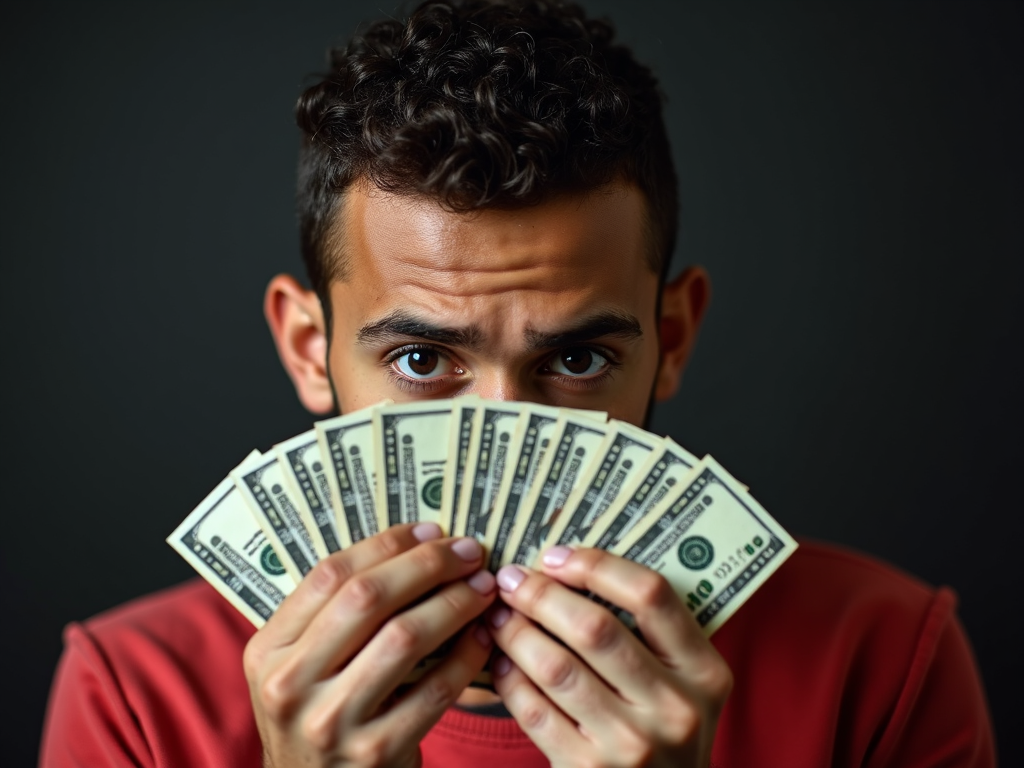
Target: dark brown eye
{"type": "Point", "coordinates": [578, 362]}
{"type": "Point", "coordinates": [422, 364]}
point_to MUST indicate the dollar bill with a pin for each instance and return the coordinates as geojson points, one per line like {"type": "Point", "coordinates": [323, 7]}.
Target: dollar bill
{"type": "Point", "coordinates": [460, 435]}
{"type": "Point", "coordinates": [574, 443]}
{"type": "Point", "coordinates": [305, 472]}
{"type": "Point", "coordinates": [260, 480]}
{"type": "Point", "coordinates": [526, 452]}
{"type": "Point", "coordinates": [625, 456]}
{"type": "Point", "coordinates": [224, 544]}
{"type": "Point", "coordinates": [485, 466]}
{"type": "Point", "coordinates": [346, 444]}
{"type": "Point", "coordinates": [673, 463]}
{"type": "Point", "coordinates": [411, 450]}
{"type": "Point", "coordinates": [713, 543]}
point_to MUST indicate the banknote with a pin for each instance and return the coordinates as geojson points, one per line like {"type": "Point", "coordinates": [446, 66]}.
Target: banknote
{"type": "Point", "coordinates": [411, 452]}
{"type": "Point", "coordinates": [574, 444]}
{"type": "Point", "coordinates": [222, 541]}
{"type": "Point", "coordinates": [673, 463]}
{"type": "Point", "coordinates": [485, 466]}
{"type": "Point", "coordinates": [526, 452]}
{"type": "Point", "coordinates": [460, 434]}
{"type": "Point", "coordinates": [306, 474]}
{"type": "Point", "coordinates": [713, 543]}
{"type": "Point", "coordinates": [625, 456]}
{"type": "Point", "coordinates": [260, 480]}
{"type": "Point", "coordinates": [346, 443]}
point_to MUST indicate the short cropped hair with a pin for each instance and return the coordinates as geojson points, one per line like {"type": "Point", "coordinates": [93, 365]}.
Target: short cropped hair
{"type": "Point", "coordinates": [481, 104]}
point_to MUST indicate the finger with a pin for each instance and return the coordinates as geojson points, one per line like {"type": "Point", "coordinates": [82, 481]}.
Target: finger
{"type": "Point", "coordinates": [328, 576]}
{"type": "Point", "coordinates": [370, 597]}
{"type": "Point", "coordinates": [668, 627]}
{"type": "Point", "coordinates": [358, 691]}
{"type": "Point", "coordinates": [589, 629]}
{"type": "Point", "coordinates": [548, 727]}
{"type": "Point", "coordinates": [556, 671]}
{"type": "Point", "coordinates": [437, 691]}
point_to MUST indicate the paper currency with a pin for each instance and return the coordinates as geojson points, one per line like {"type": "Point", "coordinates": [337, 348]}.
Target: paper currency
{"type": "Point", "coordinates": [622, 459]}
{"type": "Point", "coordinates": [574, 443]}
{"type": "Point", "coordinates": [460, 435]}
{"type": "Point", "coordinates": [346, 442]}
{"type": "Point", "coordinates": [411, 452]}
{"type": "Point", "coordinates": [222, 541]}
{"type": "Point", "coordinates": [672, 464]}
{"type": "Point", "coordinates": [261, 483]}
{"type": "Point", "coordinates": [713, 543]}
{"type": "Point", "coordinates": [305, 472]}
{"type": "Point", "coordinates": [486, 463]}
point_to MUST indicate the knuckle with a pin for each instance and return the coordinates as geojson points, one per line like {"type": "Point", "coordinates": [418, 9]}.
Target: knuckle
{"type": "Point", "coordinates": [429, 561]}
{"type": "Point", "coordinates": [277, 696]}
{"type": "Point", "coordinates": [541, 591]}
{"type": "Point", "coordinates": [252, 658]}
{"type": "Point", "coordinates": [319, 732]}
{"type": "Point", "coordinates": [598, 631]}
{"type": "Point", "coordinates": [680, 723]}
{"type": "Point", "coordinates": [363, 593]}
{"type": "Point", "coordinates": [389, 543]}
{"type": "Point", "coordinates": [653, 590]}
{"type": "Point", "coordinates": [329, 574]}
{"type": "Point", "coordinates": [402, 635]}
{"type": "Point", "coordinates": [533, 716]}
{"type": "Point", "coordinates": [438, 693]}
{"type": "Point", "coordinates": [368, 749]}
{"type": "Point", "coordinates": [557, 671]}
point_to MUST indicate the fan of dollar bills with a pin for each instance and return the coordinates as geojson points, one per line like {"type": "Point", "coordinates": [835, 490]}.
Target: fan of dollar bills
{"type": "Point", "coordinates": [520, 477]}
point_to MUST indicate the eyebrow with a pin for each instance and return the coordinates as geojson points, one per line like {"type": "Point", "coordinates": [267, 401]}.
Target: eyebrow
{"type": "Point", "coordinates": [401, 324]}
{"type": "Point", "coordinates": [599, 325]}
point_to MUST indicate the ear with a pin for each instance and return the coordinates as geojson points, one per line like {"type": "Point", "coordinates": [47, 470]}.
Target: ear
{"type": "Point", "coordinates": [296, 322]}
{"type": "Point", "coordinates": [683, 304]}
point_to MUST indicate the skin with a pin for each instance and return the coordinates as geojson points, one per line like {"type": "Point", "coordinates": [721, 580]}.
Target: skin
{"type": "Point", "coordinates": [554, 303]}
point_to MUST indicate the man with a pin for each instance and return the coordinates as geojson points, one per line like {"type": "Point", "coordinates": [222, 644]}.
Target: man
{"type": "Point", "coordinates": [487, 204]}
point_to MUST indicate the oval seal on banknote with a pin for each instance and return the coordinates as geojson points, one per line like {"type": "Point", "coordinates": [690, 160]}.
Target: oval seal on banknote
{"type": "Point", "coordinates": [270, 561]}
{"type": "Point", "coordinates": [432, 492]}
{"type": "Point", "coordinates": [696, 552]}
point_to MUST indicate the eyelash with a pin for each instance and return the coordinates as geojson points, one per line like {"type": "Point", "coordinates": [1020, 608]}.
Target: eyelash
{"type": "Point", "coordinates": [431, 385]}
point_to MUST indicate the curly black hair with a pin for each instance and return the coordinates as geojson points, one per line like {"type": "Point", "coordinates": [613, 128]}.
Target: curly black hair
{"type": "Point", "coordinates": [482, 104]}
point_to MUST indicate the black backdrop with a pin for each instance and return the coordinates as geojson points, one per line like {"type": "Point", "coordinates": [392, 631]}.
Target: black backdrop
{"type": "Point", "coordinates": [851, 176]}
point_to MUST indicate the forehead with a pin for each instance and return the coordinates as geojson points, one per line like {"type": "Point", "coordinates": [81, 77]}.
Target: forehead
{"type": "Point", "coordinates": [569, 252]}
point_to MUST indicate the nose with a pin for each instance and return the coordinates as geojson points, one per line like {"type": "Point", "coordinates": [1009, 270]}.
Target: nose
{"type": "Point", "coordinates": [499, 385]}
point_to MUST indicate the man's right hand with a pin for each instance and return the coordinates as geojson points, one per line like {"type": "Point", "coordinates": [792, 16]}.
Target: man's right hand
{"type": "Point", "coordinates": [324, 670]}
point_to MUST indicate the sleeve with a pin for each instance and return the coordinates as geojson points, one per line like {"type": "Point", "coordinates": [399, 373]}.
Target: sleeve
{"type": "Point", "coordinates": [88, 722]}
{"type": "Point", "coordinates": [941, 717]}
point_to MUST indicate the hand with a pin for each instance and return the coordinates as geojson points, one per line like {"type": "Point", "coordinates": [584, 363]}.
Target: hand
{"type": "Point", "coordinates": [324, 671]}
{"type": "Point", "coordinates": [604, 698]}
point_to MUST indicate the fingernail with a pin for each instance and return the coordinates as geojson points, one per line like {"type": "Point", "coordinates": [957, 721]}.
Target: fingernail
{"type": "Point", "coordinates": [482, 582]}
{"type": "Point", "coordinates": [510, 577]}
{"type": "Point", "coordinates": [555, 556]}
{"type": "Point", "coordinates": [501, 666]}
{"type": "Point", "coordinates": [468, 549]}
{"type": "Point", "coordinates": [426, 531]}
{"type": "Point", "coordinates": [483, 636]}
{"type": "Point", "coordinates": [500, 616]}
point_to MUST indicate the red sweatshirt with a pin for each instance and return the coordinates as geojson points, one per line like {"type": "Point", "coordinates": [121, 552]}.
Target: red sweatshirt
{"type": "Point", "coordinates": [838, 661]}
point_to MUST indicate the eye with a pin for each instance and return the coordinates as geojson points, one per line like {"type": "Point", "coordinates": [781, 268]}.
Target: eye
{"type": "Point", "coordinates": [578, 362]}
{"type": "Point", "coordinates": [423, 363]}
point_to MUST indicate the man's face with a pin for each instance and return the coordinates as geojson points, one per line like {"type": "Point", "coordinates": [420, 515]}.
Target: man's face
{"type": "Point", "coordinates": [552, 304]}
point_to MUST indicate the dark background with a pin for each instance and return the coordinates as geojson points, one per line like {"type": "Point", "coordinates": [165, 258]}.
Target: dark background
{"type": "Point", "coordinates": [851, 176]}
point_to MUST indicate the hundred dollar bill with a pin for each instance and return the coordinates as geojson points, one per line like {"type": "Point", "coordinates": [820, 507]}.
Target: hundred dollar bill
{"type": "Point", "coordinates": [228, 549]}
{"type": "Point", "coordinates": [713, 543]}
{"type": "Point", "coordinates": [346, 444]}
{"type": "Point", "coordinates": [260, 480]}
{"type": "Point", "coordinates": [485, 466]}
{"type": "Point", "coordinates": [527, 451]}
{"type": "Point", "coordinates": [574, 444]}
{"type": "Point", "coordinates": [411, 450]}
{"type": "Point", "coordinates": [306, 474]}
{"type": "Point", "coordinates": [673, 463]}
{"type": "Point", "coordinates": [460, 435]}
{"type": "Point", "coordinates": [625, 456]}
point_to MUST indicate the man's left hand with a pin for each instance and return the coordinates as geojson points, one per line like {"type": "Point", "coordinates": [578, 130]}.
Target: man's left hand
{"type": "Point", "coordinates": [604, 698]}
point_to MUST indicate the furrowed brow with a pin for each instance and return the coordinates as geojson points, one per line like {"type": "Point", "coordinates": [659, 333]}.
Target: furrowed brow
{"type": "Point", "coordinates": [601, 325]}
{"type": "Point", "coordinates": [399, 325]}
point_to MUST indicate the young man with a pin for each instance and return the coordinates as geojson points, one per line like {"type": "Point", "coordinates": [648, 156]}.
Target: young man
{"type": "Point", "coordinates": [487, 204]}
